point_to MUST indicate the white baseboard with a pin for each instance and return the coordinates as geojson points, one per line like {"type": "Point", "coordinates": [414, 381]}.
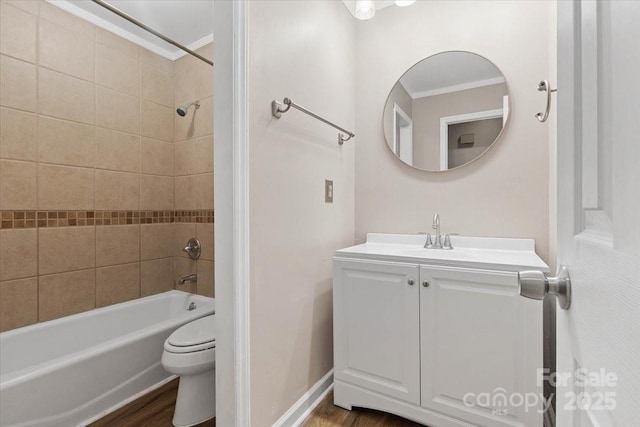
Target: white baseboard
{"type": "Point", "coordinates": [307, 403]}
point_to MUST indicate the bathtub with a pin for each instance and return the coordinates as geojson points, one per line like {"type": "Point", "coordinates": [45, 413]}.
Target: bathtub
{"type": "Point", "coordinates": [74, 370]}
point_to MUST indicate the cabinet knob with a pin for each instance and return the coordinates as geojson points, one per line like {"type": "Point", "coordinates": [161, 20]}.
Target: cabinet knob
{"type": "Point", "coordinates": [410, 282]}
{"type": "Point", "coordinates": [425, 284]}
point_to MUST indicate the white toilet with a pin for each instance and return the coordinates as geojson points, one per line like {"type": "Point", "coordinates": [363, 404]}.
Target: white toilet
{"type": "Point", "coordinates": [190, 351]}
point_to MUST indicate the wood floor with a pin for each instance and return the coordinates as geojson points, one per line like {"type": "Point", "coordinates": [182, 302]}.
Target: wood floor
{"type": "Point", "coordinates": [151, 410]}
{"type": "Point", "coordinates": [156, 410]}
{"type": "Point", "coordinates": [328, 415]}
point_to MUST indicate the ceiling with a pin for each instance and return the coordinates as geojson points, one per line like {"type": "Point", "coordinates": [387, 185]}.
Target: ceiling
{"type": "Point", "coordinates": [450, 72]}
{"type": "Point", "coordinates": [379, 4]}
{"type": "Point", "coordinates": [189, 22]}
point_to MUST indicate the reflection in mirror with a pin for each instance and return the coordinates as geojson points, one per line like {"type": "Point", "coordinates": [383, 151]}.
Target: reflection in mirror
{"type": "Point", "coordinates": [446, 111]}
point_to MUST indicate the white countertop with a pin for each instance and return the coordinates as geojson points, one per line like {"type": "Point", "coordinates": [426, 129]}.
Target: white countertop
{"type": "Point", "coordinates": [471, 252]}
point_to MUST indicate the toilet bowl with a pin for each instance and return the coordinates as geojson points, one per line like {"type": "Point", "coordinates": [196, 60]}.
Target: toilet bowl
{"type": "Point", "coordinates": [190, 351]}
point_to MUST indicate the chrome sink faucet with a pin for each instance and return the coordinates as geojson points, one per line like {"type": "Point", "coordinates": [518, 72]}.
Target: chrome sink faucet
{"type": "Point", "coordinates": [438, 243]}
{"type": "Point", "coordinates": [436, 226]}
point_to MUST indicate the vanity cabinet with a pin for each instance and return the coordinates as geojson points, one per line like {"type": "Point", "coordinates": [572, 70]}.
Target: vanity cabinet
{"type": "Point", "coordinates": [478, 337]}
{"type": "Point", "coordinates": [378, 313]}
{"type": "Point", "coordinates": [443, 345]}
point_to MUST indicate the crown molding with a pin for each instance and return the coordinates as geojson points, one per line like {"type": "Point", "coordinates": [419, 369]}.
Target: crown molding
{"type": "Point", "coordinates": [68, 6]}
{"type": "Point", "coordinates": [454, 88]}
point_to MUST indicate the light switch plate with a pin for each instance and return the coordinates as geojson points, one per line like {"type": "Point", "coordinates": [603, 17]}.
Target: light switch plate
{"type": "Point", "coordinates": [328, 191]}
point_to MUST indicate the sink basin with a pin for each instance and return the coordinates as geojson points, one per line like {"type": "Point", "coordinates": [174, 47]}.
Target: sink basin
{"type": "Point", "coordinates": [472, 252]}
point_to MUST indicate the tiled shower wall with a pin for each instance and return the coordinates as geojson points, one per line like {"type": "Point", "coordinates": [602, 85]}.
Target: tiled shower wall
{"type": "Point", "coordinates": [193, 167]}
{"type": "Point", "coordinates": [88, 169]}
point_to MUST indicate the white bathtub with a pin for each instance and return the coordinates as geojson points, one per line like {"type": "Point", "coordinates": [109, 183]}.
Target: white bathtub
{"type": "Point", "coordinates": [73, 370]}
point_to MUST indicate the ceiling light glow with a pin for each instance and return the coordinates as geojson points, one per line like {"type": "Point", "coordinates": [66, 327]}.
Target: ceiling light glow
{"type": "Point", "coordinates": [365, 9]}
{"type": "Point", "coordinates": [403, 3]}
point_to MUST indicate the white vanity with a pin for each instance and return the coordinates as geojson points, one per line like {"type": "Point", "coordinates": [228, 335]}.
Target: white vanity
{"type": "Point", "coordinates": [441, 337]}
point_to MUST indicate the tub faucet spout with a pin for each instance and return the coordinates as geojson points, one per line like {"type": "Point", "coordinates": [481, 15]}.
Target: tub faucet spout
{"type": "Point", "coordinates": [192, 278]}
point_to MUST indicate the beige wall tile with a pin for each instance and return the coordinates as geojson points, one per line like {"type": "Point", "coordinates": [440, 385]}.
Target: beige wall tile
{"type": "Point", "coordinates": [156, 276]}
{"type": "Point", "coordinates": [183, 232]}
{"type": "Point", "coordinates": [65, 187]}
{"type": "Point", "coordinates": [204, 233]}
{"type": "Point", "coordinates": [18, 303]}
{"type": "Point", "coordinates": [17, 185]}
{"type": "Point", "coordinates": [117, 244]}
{"type": "Point", "coordinates": [156, 241]}
{"type": "Point", "coordinates": [196, 123]}
{"type": "Point", "coordinates": [18, 253]}
{"type": "Point", "coordinates": [186, 192]}
{"type": "Point", "coordinates": [206, 278]}
{"type": "Point", "coordinates": [66, 249]}
{"type": "Point", "coordinates": [30, 6]}
{"type": "Point", "coordinates": [115, 110]}
{"type": "Point", "coordinates": [156, 192]}
{"type": "Point", "coordinates": [184, 157]}
{"type": "Point", "coordinates": [61, 49]}
{"type": "Point", "coordinates": [66, 143]}
{"type": "Point", "coordinates": [183, 267]}
{"type": "Point", "coordinates": [157, 85]}
{"type": "Point", "coordinates": [117, 70]}
{"type": "Point", "coordinates": [54, 100]}
{"type": "Point", "coordinates": [18, 135]}
{"type": "Point", "coordinates": [17, 84]}
{"type": "Point", "coordinates": [156, 157]}
{"type": "Point", "coordinates": [116, 284]}
{"type": "Point", "coordinates": [156, 61]}
{"type": "Point", "coordinates": [207, 52]}
{"type": "Point", "coordinates": [184, 127]}
{"type": "Point", "coordinates": [157, 121]}
{"type": "Point", "coordinates": [107, 38]}
{"type": "Point", "coordinates": [204, 121]}
{"type": "Point", "coordinates": [117, 151]}
{"type": "Point", "coordinates": [17, 33]}
{"type": "Point", "coordinates": [204, 154]}
{"type": "Point", "coordinates": [66, 294]}
{"type": "Point", "coordinates": [65, 19]}
{"type": "Point", "coordinates": [193, 78]}
{"type": "Point", "coordinates": [204, 191]}
{"type": "Point", "coordinates": [117, 190]}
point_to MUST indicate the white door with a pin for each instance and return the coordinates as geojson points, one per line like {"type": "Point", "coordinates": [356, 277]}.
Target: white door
{"type": "Point", "coordinates": [375, 327]}
{"type": "Point", "coordinates": [480, 340]}
{"type": "Point", "coordinates": [599, 213]}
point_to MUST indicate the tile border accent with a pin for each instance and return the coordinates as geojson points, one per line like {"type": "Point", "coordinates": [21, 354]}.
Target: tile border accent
{"type": "Point", "coordinates": [49, 219]}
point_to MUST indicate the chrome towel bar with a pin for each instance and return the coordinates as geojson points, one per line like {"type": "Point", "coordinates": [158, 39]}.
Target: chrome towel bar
{"type": "Point", "coordinates": [277, 110]}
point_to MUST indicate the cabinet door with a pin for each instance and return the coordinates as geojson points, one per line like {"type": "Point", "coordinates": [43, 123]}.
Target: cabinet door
{"type": "Point", "coordinates": [481, 343]}
{"type": "Point", "coordinates": [376, 321]}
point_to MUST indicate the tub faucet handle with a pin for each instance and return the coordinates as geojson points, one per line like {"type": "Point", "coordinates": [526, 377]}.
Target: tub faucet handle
{"type": "Point", "coordinates": [193, 248]}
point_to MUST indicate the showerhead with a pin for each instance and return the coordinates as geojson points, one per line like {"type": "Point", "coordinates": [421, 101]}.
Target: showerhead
{"type": "Point", "coordinates": [182, 111]}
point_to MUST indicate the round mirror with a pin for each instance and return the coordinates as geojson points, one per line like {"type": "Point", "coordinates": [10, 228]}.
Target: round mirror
{"type": "Point", "coordinates": [446, 111]}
